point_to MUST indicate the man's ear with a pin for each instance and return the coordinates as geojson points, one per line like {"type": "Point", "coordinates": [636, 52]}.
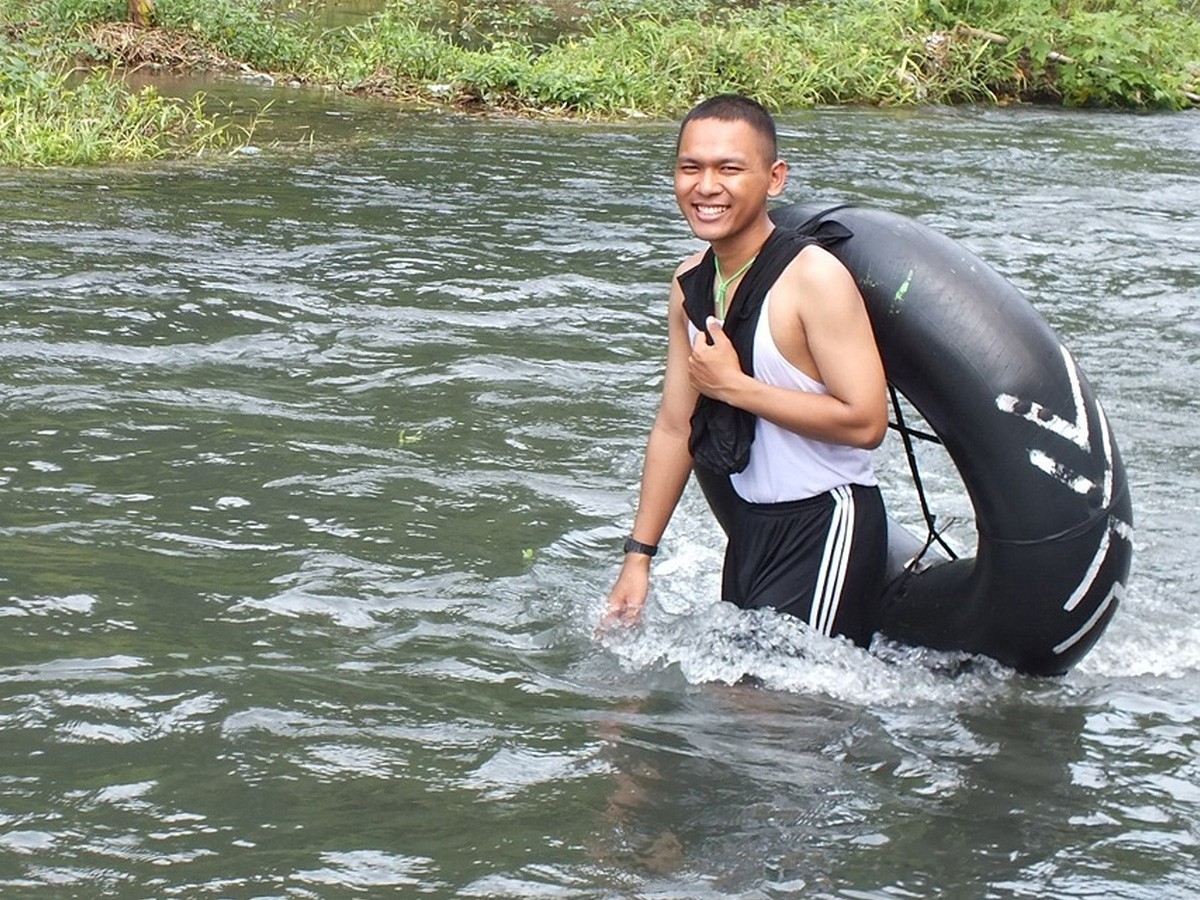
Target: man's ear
{"type": "Point", "coordinates": [779, 172]}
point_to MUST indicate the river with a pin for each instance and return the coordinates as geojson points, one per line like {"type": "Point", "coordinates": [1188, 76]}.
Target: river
{"type": "Point", "coordinates": [315, 464]}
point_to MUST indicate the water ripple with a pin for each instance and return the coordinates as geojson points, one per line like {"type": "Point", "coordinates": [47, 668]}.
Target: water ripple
{"type": "Point", "coordinates": [314, 475]}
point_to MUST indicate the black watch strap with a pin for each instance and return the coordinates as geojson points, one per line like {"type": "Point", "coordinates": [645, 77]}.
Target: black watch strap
{"type": "Point", "coordinates": [632, 546]}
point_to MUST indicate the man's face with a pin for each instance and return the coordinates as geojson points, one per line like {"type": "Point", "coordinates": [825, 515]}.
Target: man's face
{"type": "Point", "coordinates": [724, 173]}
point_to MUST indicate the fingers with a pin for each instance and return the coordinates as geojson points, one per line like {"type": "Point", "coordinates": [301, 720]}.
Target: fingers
{"type": "Point", "coordinates": [623, 617]}
{"type": "Point", "coordinates": [623, 608]}
{"type": "Point", "coordinates": [713, 335]}
{"type": "Point", "coordinates": [713, 363]}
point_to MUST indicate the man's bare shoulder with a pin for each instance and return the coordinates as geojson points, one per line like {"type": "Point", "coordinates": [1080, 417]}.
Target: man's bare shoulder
{"type": "Point", "coordinates": [689, 263]}
{"type": "Point", "coordinates": [817, 275]}
{"type": "Point", "coordinates": [676, 297]}
{"type": "Point", "coordinates": [817, 267]}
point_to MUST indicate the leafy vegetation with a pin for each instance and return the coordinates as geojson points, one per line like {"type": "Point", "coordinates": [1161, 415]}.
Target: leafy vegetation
{"type": "Point", "coordinates": [49, 117]}
{"type": "Point", "coordinates": [611, 57]}
{"type": "Point", "coordinates": [587, 57]}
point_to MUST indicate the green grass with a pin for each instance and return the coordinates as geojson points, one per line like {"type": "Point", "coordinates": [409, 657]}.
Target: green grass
{"type": "Point", "coordinates": [594, 58]}
{"type": "Point", "coordinates": [51, 117]}
{"type": "Point", "coordinates": [659, 57]}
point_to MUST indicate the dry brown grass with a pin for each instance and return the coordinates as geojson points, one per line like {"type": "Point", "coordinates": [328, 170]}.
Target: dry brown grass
{"type": "Point", "coordinates": [132, 47]}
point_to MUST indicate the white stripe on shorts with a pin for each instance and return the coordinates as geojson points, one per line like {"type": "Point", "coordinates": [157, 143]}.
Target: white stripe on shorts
{"type": "Point", "coordinates": [831, 576]}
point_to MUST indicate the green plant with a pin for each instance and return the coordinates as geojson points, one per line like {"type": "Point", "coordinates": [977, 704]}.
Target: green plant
{"type": "Point", "coordinates": [249, 30]}
{"type": "Point", "coordinates": [616, 57]}
{"type": "Point", "coordinates": [50, 118]}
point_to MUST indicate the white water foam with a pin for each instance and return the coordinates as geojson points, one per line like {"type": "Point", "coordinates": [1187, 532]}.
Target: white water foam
{"type": "Point", "coordinates": [686, 628]}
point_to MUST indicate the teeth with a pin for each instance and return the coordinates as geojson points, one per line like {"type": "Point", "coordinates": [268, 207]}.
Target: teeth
{"type": "Point", "coordinates": [711, 210]}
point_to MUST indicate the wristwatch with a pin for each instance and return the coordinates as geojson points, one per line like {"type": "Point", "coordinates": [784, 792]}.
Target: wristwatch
{"type": "Point", "coordinates": [632, 546]}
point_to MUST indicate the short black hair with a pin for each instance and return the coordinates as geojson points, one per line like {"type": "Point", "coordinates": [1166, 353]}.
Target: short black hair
{"type": "Point", "coordinates": [734, 108]}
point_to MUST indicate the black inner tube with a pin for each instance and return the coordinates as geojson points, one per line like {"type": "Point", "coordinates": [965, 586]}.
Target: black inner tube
{"type": "Point", "coordinates": [1022, 425]}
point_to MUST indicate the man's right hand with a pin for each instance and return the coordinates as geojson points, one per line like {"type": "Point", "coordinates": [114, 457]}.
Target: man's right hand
{"type": "Point", "coordinates": [628, 595]}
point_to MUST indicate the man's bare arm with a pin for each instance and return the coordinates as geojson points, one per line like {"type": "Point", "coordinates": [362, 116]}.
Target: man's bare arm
{"type": "Point", "coordinates": [665, 470]}
{"type": "Point", "coordinates": [836, 336]}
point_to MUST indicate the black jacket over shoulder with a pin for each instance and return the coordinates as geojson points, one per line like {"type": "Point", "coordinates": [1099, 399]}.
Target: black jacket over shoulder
{"type": "Point", "coordinates": [722, 434]}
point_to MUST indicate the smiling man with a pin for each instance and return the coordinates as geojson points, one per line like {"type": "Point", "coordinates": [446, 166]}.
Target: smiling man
{"type": "Point", "coordinates": [774, 395]}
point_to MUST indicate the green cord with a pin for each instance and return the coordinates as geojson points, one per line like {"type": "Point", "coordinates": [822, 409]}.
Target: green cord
{"type": "Point", "coordinates": [723, 285]}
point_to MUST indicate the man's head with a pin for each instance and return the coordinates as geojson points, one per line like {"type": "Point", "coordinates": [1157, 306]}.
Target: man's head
{"type": "Point", "coordinates": [736, 108]}
{"type": "Point", "coordinates": [726, 168]}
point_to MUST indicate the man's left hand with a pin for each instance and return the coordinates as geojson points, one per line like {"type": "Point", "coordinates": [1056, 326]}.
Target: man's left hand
{"type": "Point", "coordinates": [713, 368]}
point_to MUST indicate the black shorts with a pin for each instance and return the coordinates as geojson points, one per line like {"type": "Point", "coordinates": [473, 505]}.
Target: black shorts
{"type": "Point", "coordinates": [821, 559]}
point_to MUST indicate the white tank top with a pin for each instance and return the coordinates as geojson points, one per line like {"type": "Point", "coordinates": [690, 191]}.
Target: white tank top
{"type": "Point", "coordinates": [785, 465]}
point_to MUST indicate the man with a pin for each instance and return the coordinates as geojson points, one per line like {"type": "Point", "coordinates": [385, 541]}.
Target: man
{"type": "Point", "coordinates": [791, 358]}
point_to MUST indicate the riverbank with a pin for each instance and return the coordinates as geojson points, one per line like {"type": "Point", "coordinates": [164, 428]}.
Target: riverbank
{"type": "Point", "coordinates": [595, 58]}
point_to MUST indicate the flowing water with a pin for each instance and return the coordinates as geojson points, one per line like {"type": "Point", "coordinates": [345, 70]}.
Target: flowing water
{"type": "Point", "coordinates": [313, 470]}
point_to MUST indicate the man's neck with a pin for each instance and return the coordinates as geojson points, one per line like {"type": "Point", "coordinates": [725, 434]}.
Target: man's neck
{"type": "Point", "coordinates": [734, 252]}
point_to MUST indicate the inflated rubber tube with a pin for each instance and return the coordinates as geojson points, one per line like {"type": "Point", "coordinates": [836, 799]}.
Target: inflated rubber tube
{"type": "Point", "coordinates": [1023, 427]}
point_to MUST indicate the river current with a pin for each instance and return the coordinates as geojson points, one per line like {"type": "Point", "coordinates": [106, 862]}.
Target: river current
{"type": "Point", "coordinates": [314, 465]}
